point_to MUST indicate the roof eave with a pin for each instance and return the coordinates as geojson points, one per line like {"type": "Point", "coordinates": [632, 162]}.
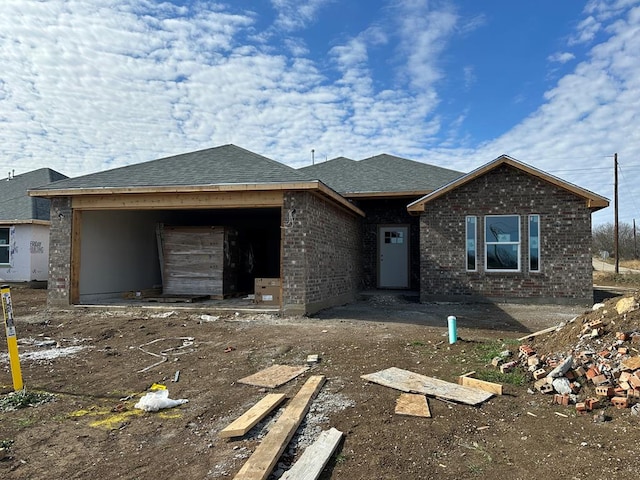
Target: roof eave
{"type": "Point", "coordinates": [224, 187]}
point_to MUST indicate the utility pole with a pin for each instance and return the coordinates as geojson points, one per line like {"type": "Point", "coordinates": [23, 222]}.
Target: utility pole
{"type": "Point", "coordinates": [615, 209]}
{"type": "Point", "coordinates": [635, 245]}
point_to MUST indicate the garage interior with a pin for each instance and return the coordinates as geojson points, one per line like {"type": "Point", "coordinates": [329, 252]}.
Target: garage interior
{"type": "Point", "coordinates": [119, 252]}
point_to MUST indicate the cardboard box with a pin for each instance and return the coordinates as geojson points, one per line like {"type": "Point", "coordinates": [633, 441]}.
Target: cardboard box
{"type": "Point", "coordinates": [267, 291]}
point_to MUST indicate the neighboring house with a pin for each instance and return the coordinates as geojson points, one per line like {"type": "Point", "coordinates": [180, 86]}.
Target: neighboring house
{"type": "Point", "coordinates": [24, 227]}
{"type": "Point", "coordinates": [326, 231]}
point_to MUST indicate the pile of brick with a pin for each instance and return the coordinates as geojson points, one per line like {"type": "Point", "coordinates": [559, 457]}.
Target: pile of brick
{"type": "Point", "coordinates": [595, 362]}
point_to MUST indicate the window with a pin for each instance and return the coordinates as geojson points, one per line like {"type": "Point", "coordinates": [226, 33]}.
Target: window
{"type": "Point", "coordinates": [394, 237]}
{"type": "Point", "coordinates": [472, 235]}
{"type": "Point", "coordinates": [4, 245]}
{"type": "Point", "coordinates": [502, 243]}
{"type": "Point", "coordinates": [534, 243]}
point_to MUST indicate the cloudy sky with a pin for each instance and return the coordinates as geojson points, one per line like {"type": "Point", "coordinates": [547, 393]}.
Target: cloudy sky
{"type": "Point", "coordinates": [86, 86]}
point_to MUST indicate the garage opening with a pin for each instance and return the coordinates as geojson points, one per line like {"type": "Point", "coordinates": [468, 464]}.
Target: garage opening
{"type": "Point", "coordinates": [119, 252]}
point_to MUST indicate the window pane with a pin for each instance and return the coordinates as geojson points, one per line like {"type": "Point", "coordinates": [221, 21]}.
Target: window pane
{"type": "Point", "coordinates": [471, 242]}
{"type": "Point", "coordinates": [502, 229]}
{"type": "Point", "coordinates": [534, 243]}
{"type": "Point", "coordinates": [502, 257]}
{"type": "Point", "coordinates": [4, 236]}
{"type": "Point", "coordinates": [4, 254]}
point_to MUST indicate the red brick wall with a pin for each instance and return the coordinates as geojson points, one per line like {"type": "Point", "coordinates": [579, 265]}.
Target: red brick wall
{"type": "Point", "coordinates": [565, 242]}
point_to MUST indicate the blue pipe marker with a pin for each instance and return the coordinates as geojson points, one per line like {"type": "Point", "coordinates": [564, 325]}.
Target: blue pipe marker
{"type": "Point", "coordinates": [453, 331]}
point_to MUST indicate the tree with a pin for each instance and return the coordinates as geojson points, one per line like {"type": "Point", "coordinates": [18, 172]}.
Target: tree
{"type": "Point", "coordinates": [603, 240]}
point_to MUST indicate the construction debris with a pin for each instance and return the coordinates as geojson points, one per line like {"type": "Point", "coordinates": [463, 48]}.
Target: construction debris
{"type": "Point", "coordinates": [265, 456]}
{"type": "Point", "coordinates": [592, 362]}
{"type": "Point", "coordinates": [311, 463]}
{"type": "Point", "coordinates": [251, 417]}
{"type": "Point", "coordinates": [274, 376]}
{"type": "Point", "coordinates": [468, 381]}
{"type": "Point", "coordinates": [410, 382]}
{"type": "Point", "coordinates": [412, 404]}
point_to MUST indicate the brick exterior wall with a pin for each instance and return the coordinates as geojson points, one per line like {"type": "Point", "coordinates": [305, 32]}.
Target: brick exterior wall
{"type": "Point", "coordinates": [60, 252]}
{"type": "Point", "coordinates": [388, 212]}
{"type": "Point", "coordinates": [565, 242]}
{"type": "Point", "coordinates": [321, 254]}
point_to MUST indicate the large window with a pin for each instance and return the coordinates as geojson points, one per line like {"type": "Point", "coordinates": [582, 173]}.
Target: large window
{"type": "Point", "coordinates": [4, 245]}
{"type": "Point", "coordinates": [534, 243]}
{"type": "Point", "coordinates": [502, 243]}
{"type": "Point", "coordinates": [472, 236]}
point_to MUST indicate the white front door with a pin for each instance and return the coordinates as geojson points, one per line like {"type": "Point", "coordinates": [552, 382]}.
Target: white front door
{"type": "Point", "coordinates": [393, 257]}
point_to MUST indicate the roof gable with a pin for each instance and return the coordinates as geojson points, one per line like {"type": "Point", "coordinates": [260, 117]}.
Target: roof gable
{"type": "Point", "coordinates": [379, 175]}
{"type": "Point", "coordinates": [15, 203]}
{"type": "Point", "coordinates": [594, 201]}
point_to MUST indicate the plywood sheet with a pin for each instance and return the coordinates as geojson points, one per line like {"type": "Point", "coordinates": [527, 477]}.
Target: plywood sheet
{"type": "Point", "coordinates": [413, 404]}
{"type": "Point", "coordinates": [411, 382]}
{"type": "Point", "coordinates": [274, 376]}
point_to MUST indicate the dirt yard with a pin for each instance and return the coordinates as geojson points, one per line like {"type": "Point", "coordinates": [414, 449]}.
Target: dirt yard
{"type": "Point", "coordinates": [97, 363]}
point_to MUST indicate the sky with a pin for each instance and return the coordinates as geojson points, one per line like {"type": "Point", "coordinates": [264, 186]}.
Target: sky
{"type": "Point", "coordinates": [86, 86]}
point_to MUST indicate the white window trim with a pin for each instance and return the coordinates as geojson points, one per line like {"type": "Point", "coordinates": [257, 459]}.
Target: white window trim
{"type": "Point", "coordinates": [475, 240]}
{"type": "Point", "coordinates": [487, 244]}
{"type": "Point", "coordinates": [539, 269]}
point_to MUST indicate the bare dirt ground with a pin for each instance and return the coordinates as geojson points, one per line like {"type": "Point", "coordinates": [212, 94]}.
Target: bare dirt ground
{"type": "Point", "coordinates": [92, 362]}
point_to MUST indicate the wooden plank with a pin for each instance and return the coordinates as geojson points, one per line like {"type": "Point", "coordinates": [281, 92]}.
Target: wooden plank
{"type": "Point", "coordinates": [539, 332]}
{"type": "Point", "coordinates": [315, 457]}
{"type": "Point", "coordinates": [180, 200]}
{"type": "Point", "coordinates": [251, 417]}
{"type": "Point", "coordinates": [74, 274]}
{"type": "Point", "coordinates": [413, 404]}
{"type": "Point", "coordinates": [274, 376]}
{"type": "Point", "coordinates": [468, 381]}
{"type": "Point", "coordinates": [632, 363]}
{"type": "Point", "coordinates": [410, 382]}
{"type": "Point", "coordinates": [265, 456]}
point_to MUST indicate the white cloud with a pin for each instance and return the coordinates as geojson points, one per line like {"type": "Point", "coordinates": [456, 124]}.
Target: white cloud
{"type": "Point", "coordinates": [561, 57]}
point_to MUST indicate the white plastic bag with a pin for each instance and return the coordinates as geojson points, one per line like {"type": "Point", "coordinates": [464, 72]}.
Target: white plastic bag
{"type": "Point", "coordinates": [154, 401]}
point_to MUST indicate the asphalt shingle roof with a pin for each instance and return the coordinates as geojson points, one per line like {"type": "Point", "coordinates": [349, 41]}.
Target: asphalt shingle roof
{"type": "Point", "coordinates": [227, 164]}
{"type": "Point", "coordinates": [380, 174]}
{"type": "Point", "coordinates": [15, 202]}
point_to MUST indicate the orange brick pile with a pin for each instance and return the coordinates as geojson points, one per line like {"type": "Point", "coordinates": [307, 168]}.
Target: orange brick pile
{"type": "Point", "coordinates": [593, 361]}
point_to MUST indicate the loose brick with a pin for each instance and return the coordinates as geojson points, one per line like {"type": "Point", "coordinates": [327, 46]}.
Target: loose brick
{"type": "Point", "coordinates": [561, 399]}
{"type": "Point", "coordinates": [539, 383]}
{"type": "Point", "coordinates": [546, 388]}
{"type": "Point", "coordinates": [634, 381]}
{"type": "Point", "coordinates": [507, 367]}
{"type": "Point", "coordinates": [599, 379]}
{"type": "Point", "coordinates": [526, 350]}
{"type": "Point", "coordinates": [623, 350]}
{"type": "Point", "coordinates": [579, 371]}
{"type": "Point", "coordinates": [581, 407]}
{"type": "Point", "coordinates": [620, 402]}
{"type": "Point", "coordinates": [538, 374]}
{"type": "Point", "coordinates": [593, 372]}
{"type": "Point", "coordinates": [533, 360]}
{"type": "Point", "coordinates": [591, 403]}
{"type": "Point", "coordinates": [604, 391]}
{"type": "Point", "coordinates": [622, 336]}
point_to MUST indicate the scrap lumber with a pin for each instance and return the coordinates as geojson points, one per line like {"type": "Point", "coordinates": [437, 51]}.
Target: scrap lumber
{"type": "Point", "coordinates": [411, 382]}
{"type": "Point", "coordinates": [468, 381]}
{"type": "Point", "coordinates": [274, 376]}
{"type": "Point", "coordinates": [265, 456]}
{"type": "Point", "coordinates": [251, 417]}
{"type": "Point", "coordinates": [412, 404]}
{"type": "Point", "coordinates": [315, 457]}
{"type": "Point", "coordinates": [539, 332]}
